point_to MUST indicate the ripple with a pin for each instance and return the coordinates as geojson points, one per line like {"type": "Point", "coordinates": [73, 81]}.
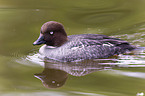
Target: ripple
{"type": "Point", "coordinates": [31, 60]}
{"type": "Point", "coordinates": [137, 36]}
{"type": "Point", "coordinates": [130, 74]}
{"type": "Point", "coordinates": [98, 17]}
{"type": "Point", "coordinates": [135, 58]}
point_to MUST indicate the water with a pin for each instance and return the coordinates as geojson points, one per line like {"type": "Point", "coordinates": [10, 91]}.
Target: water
{"type": "Point", "coordinates": [22, 73]}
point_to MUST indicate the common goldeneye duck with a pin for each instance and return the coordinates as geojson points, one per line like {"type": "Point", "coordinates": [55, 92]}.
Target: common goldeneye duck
{"type": "Point", "coordinates": [60, 47]}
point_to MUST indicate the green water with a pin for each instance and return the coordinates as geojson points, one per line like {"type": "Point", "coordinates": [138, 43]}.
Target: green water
{"type": "Point", "coordinates": [21, 69]}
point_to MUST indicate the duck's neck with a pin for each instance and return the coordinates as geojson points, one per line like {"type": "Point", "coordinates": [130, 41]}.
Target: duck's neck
{"type": "Point", "coordinates": [60, 42]}
{"type": "Point", "coordinates": [57, 42]}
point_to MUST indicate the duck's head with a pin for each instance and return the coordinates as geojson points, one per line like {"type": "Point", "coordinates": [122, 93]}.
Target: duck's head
{"type": "Point", "coordinates": [52, 34]}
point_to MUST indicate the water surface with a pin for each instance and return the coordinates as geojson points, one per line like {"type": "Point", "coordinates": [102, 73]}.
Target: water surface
{"type": "Point", "coordinates": [23, 73]}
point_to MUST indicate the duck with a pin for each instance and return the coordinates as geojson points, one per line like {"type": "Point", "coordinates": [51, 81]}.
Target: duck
{"type": "Point", "coordinates": [60, 47]}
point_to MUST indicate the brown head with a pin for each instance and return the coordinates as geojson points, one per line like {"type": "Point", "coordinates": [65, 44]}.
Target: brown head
{"type": "Point", "coordinates": [52, 34]}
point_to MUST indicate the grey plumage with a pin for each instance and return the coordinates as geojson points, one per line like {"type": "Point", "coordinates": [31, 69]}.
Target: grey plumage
{"type": "Point", "coordinates": [87, 46]}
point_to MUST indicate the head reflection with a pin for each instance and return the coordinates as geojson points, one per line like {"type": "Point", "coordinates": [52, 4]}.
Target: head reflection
{"type": "Point", "coordinates": [52, 78]}
{"type": "Point", "coordinates": [55, 75]}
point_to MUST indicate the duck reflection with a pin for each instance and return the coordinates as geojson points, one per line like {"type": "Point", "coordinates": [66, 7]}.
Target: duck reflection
{"type": "Point", "coordinates": [55, 74]}
{"type": "Point", "coordinates": [52, 78]}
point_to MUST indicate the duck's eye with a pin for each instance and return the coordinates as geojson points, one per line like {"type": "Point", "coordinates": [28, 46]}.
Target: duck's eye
{"type": "Point", "coordinates": [51, 32]}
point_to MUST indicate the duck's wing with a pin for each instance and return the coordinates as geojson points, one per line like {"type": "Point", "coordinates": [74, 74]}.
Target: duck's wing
{"type": "Point", "coordinates": [92, 46]}
{"type": "Point", "coordinates": [100, 41]}
{"type": "Point", "coordinates": [79, 49]}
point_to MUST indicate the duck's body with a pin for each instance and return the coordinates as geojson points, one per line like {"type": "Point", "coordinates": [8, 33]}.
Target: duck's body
{"type": "Point", "coordinates": [80, 47]}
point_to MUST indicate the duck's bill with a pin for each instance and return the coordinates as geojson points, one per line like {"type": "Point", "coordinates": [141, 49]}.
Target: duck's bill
{"type": "Point", "coordinates": [40, 40]}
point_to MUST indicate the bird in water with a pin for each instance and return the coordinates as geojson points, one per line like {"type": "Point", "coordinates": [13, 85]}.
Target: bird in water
{"type": "Point", "coordinates": [60, 47]}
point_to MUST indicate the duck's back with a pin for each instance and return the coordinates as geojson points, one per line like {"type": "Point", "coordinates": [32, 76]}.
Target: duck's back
{"type": "Point", "coordinates": [98, 39]}
{"type": "Point", "coordinates": [91, 46]}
